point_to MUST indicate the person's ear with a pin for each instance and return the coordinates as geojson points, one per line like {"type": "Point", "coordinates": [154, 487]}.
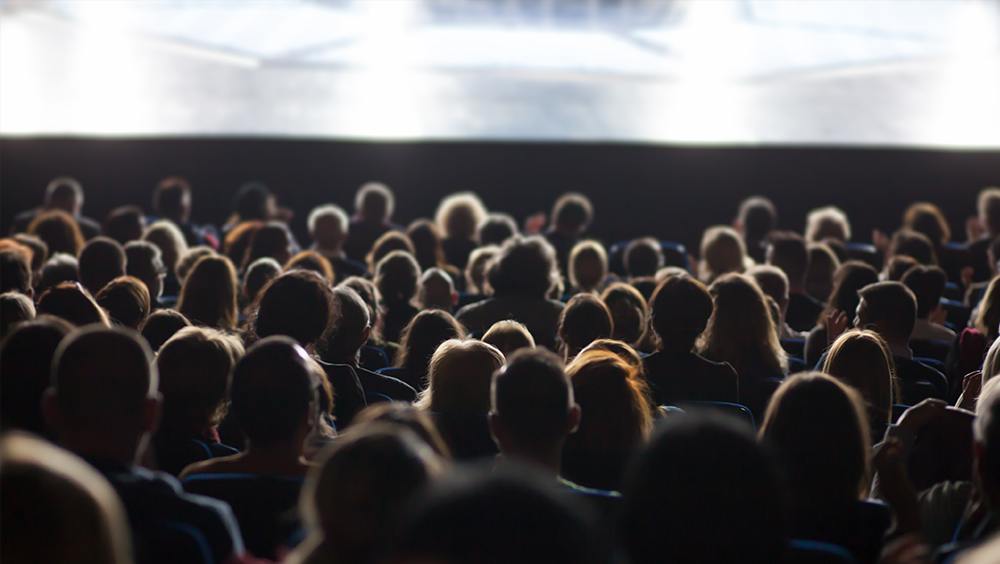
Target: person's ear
{"type": "Point", "coordinates": [50, 410]}
{"type": "Point", "coordinates": [151, 410]}
{"type": "Point", "coordinates": [573, 418]}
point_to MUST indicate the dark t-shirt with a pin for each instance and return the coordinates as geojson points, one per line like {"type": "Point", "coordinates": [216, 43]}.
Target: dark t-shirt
{"type": "Point", "coordinates": [685, 376]}
{"type": "Point", "coordinates": [348, 394]}
{"type": "Point", "coordinates": [540, 315]}
{"type": "Point", "coordinates": [803, 311]}
{"type": "Point", "coordinates": [361, 236]}
{"type": "Point", "coordinates": [88, 227]}
{"type": "Point", "coordinates": [379, 387]}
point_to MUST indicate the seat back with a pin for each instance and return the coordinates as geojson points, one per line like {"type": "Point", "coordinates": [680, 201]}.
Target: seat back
{"type": "Point", "coordinates": [801, 551]}
{"type": "Point", "coordinates": [927, 349]}
{"type": "Point", "coordinates": [731, 409]}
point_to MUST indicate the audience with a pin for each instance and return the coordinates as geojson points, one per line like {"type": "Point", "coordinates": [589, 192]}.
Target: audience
{"type": "Point", "coordinates": [373, 207]}
{"type": "Point", "coordinates": [571, 216]}
{"type": "Point", "coordinates": [584, 320]}
{"type": "Point", "coordinates": [72, 302]}
{"type": "Point", "coordinates": [509, 336]}
{"type": "Point", "coordinates": [172, 201]}
{"type": "Point", "coordinates": [421, 337]}
{"type": "Point", "coordinates": [101, 260]}
{"type": "Point", "coordinates": [26, 371]}
{"type": "Point", "coordinates": [458, 217]}
{"type": "Point", "coordinates": [63, 194]}
{"type": "Point", "coordinates": [927, 284]}
{"type": "Point", "coordinates": [862, 360]}
{"type": "Point", "coordinates": [144, 261]}
{"type": "Point", "coordinates": [722, 252]}
{"type": "Point", "coordinates": [15, 308]}
{"type": "Point", "coordinates": [755, 220]}
{"type": "Point", "coordinates": [823, 263]}
{"type": "Point", "coordinates": [588, 266]}
{"type": "Point", "coordinates": [59, 231]}
{"type": "Point", "coordinates": [787, 251]}
{"type": "Point", "coordinates": [126, 300]}
{"type": "Point", "coordinates": [397, 277]}
{"type": "Point", "coordinates": [124, 224]}
{"type": "Point", "coordinates": [328, 227]}
{"type": "Point", "coordinates": [847, 280]}
{"type": "Point", "coordinates": [209, 295]}
{"type": "Point", "coordinates": [437, 290]}
{"type": "Point", "coordinates": [496, 229]}
{"type": "Point", "coordinates": [827, 223]}
{"type": "Point", "coordinates": [161, 325]}
{"type": "Point", "coordinates": [629, 314]}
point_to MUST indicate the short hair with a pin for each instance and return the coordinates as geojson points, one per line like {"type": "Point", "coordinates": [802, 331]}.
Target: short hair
{"type": "Point", "coordinates": [63, 187]}
{"type": "Point", "coordinates": [124, 224]}
{"type": "Point", "coordinates": [531, 396]}
{"type": "Point", "coordinates": [187, 261]}
{"type": "Point", "coordinates": [722, 251]}
{"type": "Point", "coordinates": [758, 217]}
{"type": "Point", "coordinates": [15, 308]}
{"type": "Point", "coordinates": [643, 257]}
{"type": "Point", "coordinates": [850, 277]}
{"type": "Point", "coordinates": [374, 200]}
{"type": "Point", "coordinates": [476, 269]}
{"type": "Point", "coordinates": [892, 307]}
{"type": "Point", "coordinates": [273, 239]}
{"type": "Point", "coordinates": [584, 319]}
{"type": "Point", "coordinates": [209, 294]}
{"type": "Point", "coordinates": [621, 349]}
{"type": "Point", "coordinates": [987, 320]}
{"type": "Point", "coordinates": [257, 275]}
{"type": "Point", "coordinates": [169, 238]}
{"type": "Point", "coordinates": [126, 300]}
{"type": "Point", "coordinates": [425, 236]}
{"type": "Point", "coordinates": [344, 338]}
{"type": "Point", "coordinates": [103, 376]}
{"type": "Point", "coordinates": [508, 336]}
{"type": "Point", "coordinates": [629, 312]}
{"type": "Point", "coordinates": [437, 289]}
{"type": "Point", "coordinates": [772, 281]}
{"type": "Point", "coordinates": [272, 390]}
{"type": "Point", "coordinates": [573, 210]}
{"type": "Point", "coordinates": [397, 277]}
{"type": "Point", "coordinates": [172, 198]}
{"type": "Point", "coordinates": [195, 367]}
{"type": "Point", "coordinates": [680, 309]}
{"type": "Point", "coordinates": [819, 429]}
{"type": "Point", "coordinates": [496, 228]}
{"type": "Point", "coordinates": [823, 263]}
{"type": "Point", "coordinates": [459, 377]}
{"type": "Point", "coordinates": [988, 206]}
{"type": "Point", "coordinates": [787, 250]}
{"type": "Point", "coordinates": [313, 261]}
{"type": "Point", "coordinates": [59, 230]}
{"type": "Point", "coordinates": [72, 302]}
{"type": "Point", "coordinates": [719, 483]}
{"type": "Point", "coordinates": [297, 304]}
{"type": "Point", "coordinates": [60, 267]}
{"type": "Point", "coordinates": [862, 360]}
{"type": "Point", "coordinates": [101, 260]}
{"type": "Point", "coordinates": [325, 217]}
{"type": "Point", "coordinates": [525, 266]}
{"type": "Point", "coordinates": [161, 325]}
{"type": "Point", "coordinates": [421, 337]}
{"type": "Point", "coordinates": [251, 201]}
{"type": "Point", "coordinates": [927, 218]}
{"type": "Point", "coordinates": [459, 215]}
{"type": "Point", "coordinates": [15, 269]}
{"type": "Point", "coordinates": [39, 250]}
{"type": "Point", "coordinates": [913, 244]}
{"type": "Point", "coordinates": [388, 242]}
{"type": "Point", "coordinates": [588, 265]}
{"type": "Point", "coordinates": [827, 222]}
{"type": "Point", "coordinates": [26, 371]}
{"type": "Point", "coordinates": [927, 284]}
{"type": "Point", "coordinates": [144, 261]}
{"type": "Point", "coordinates": [51, 490]}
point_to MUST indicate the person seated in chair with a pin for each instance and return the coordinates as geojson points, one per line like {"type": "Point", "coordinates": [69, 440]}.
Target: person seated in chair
{"type": "Point", "coordinates": [788, 251]}
{"type": "Point", "coordinates": [927, 284]}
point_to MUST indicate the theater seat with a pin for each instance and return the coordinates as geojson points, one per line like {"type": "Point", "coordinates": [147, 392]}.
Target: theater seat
{"type": "Point", "coordinates": [958, 313]}
{"type": "Point", "coordinates": [937, 350]}
{"type": "Point", "coordinates": [802, 551]}
{"type": "Point", "coordinates": [865, 253]}
{"type": "Point", "coordinates": [174, 541]}
{"type": "Point", "coordinates": [794, 346]}
{"type": "Point", "coordinates": [732, 409]}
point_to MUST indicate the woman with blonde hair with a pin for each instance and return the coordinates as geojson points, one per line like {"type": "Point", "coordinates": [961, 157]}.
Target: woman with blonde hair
{"type": "Point", "coordinates": [862, 360]}
{"type": "Point", "coordinates": [458, 217]}
{"type": "Point", "coordinates": [987, 316]}
{"type": "Point", "coordinates": [819, 430]}
{"type": "Point", "coordinates": [722, 251]}
{"type": "Point", "coordinates": [617, 418]}
{"type": "Point", "coordinates": [742, 333]}
{"type": "Point", "coordinates": [588, 266]}
{"type": "Point", "coordinates": [210, 292]}
{"type": "Point", "coordinates": [458, 395]}
{"type": "Point", "coordinates": [170, 240]}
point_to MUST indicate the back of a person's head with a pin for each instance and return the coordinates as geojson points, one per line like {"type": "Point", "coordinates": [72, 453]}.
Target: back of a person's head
{"type": "Point", "coordinates": [190, 258]}
{"type": "Point", "coordinates": [374, 202]}
{"type": "Point", "coordinates": [459, 377]}
{"type": "Point", "coordinates": [297, 304]}
{"type": "Point", "coordinates": [621, 349]}
{"type": "Point", "coordinates": [209, 294]}
{"type": "Point", "coordinates": [787, 250]}
{"type": "Point", "coordinates": [15, 269]}
{"type": "Point", "coordinates": [531, 400]}
{"type": "Point", "coordinates": [251, 201]}
{"type": "Point", "coordinates": [397, 277]}
{"type": "Point", "coordinates": [862, 360]}
{"type": "Point", "coordinates": [348, 333]}
{"type": "Point", "coordinates": [60, 267]}
{"type": "Point", "coordinates": [71, 302]}
{"type": "Point", "coordinates": [57, 508]}
{"type": "Point", "coordinates": [847, 280]}
{"type": "Point", "coordinates": [272, 240]}
{"type": "Point", "coordinates": [476, 269]}
{"type": "Point", "coordinates": [101, 260]}
{"type": "Point", "coordinates": [102, 379]}
{"type": "Point", "coordinates": [496, 228]}
{"type": "Point", "coordinates": [758, 217]}
{"type": "Point", "coordinates": [408, 416]}
{"type": "Point", "coordinates": [741, 330]}
{"type": "Point", "coordinates": [437, 290]}
{"type": "Point", "coordinates": [986, 433]}
{"type": "Point", "coordinates": [388, 242]}
{"type": "Point", "coordinates": [584, 319]}
{"type": "Point", "coordinates": [722, 489]}
{"type": "Point", "coordinates": [529, 521]}
{"type": "Point", "coordinates": [39, 250]}
{"type": "Point", "coordinates": [827, 223]}
{"type": "Point", "coordinates": [25, 372]}
{"type": "Point", "coordinates": [772, 281]}
{"type": "Point", "coordinates": [629, 312]}
{"type": "Point", "coordinates": [459, 215]}
{"type": "Point", "coordinates": [15, 308]}
{"type": "Point", "coordinates": [169, 238]}
{"type": "Point", "coordinates": [172, 198]}
{"type": "Point", "coordinates": [426, 238]}
{"type": "Point", "coordinates": [272, 391]}
{"type": "Point", "coordinates": [328, 225]}
{"type": "Point", "coordinates": [195, 366]}
{"type": "Point", "coordinates": [927, 283]}
{"type": "Point", "coordinates": [679, 311]}
{"type": "Point", "coordinates": [124, 224]}
{"type": "Point", "coordinates": [525, 266]}
{"type": "Point", "coordinates": [126, 300]}
{"type": "Point", "coordinates": [572, 212]}
{"type": "Point", "coordinates": [59, 231]}
{"type": "Point", "coordinates": [891, 308]}
{"type": "Point", "coordinates": [161, 325]}
{"type": "Point", "coordinates": [64, 193]}
{"type": "Point", "coordinates": [987, 319]}
{"type": "Point", "coordinates": [257, 275]}
{"type": "Point", "coordinates": [906, 242]}
{"type": "Point", "coordinates": [722, 251]}
{"type": "Point", "coordinates": [508, 336]}
{"type": "Point", "coordinates": [311, 260]}
{"type": "Point", "coordinates": [144, 261]}
{"type": "Point", "coordinates": [819, 429]}
{"type": "Point", "coordinates": [360, 485]}
{"type": "Point", "coordinates": [988, 206]}
{"type": "Point", "coordinates": [823, 263]}
{"type": "Point", "coordinates": [643, 257]}
{"type": "Point", "coordinates": [928, 219]}
{"type": "Point", "coordinates": [588, 265]}
{"type": "Point", "coordinates": [422, 336]}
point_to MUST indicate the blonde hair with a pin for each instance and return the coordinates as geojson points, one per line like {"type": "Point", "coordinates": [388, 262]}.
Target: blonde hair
{"type": "Point", "coordinates": [168, 237]}
{"type": "Point", "coordinates": [459, 377]}
{"type": "Point", "coordinates": [459, 215]}
{"type": "Point", "coordinates": [476, 269]}
{"type": "Point", "coordinates": [827, 222]}
{"type": "Point", "coordinates": [508, 336]}
{"type": "Point", "coordinates": [862, 359]}
{"type": "Point", "coordinates": [722, 251]}
{"type": "Point", "coordinates": [987, 319]}
{"type": "Point", "coordinates": [591, 253]}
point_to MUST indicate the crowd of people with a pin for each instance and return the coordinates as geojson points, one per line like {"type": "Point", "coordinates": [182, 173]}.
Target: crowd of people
{"type": "Point", "coordinates": [471, 388]}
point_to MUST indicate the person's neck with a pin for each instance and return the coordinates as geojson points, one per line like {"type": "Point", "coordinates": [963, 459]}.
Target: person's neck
{"type": "Point", "coordinates": [548, 458]}
{"type": "Point", "coordinates": [281, 458]}
{"type": "Point", "coordinates": [123, 451]}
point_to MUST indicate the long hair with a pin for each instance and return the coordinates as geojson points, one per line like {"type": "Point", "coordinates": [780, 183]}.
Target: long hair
{"type": "Point", "coordinates": [862, 360]}
{"type": "Point", "coordinates": [722, 251]}
{"type": "Point", "coordinates": [459, 377]}
{"type": "Point", "coordinates": [422, 336]}
{"type": "Point", "coordinates": [740, 330]}
{"type": "Point", "coordinates": [988, 317]}
{"type": "Point", "coordinates": [209, 294]}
